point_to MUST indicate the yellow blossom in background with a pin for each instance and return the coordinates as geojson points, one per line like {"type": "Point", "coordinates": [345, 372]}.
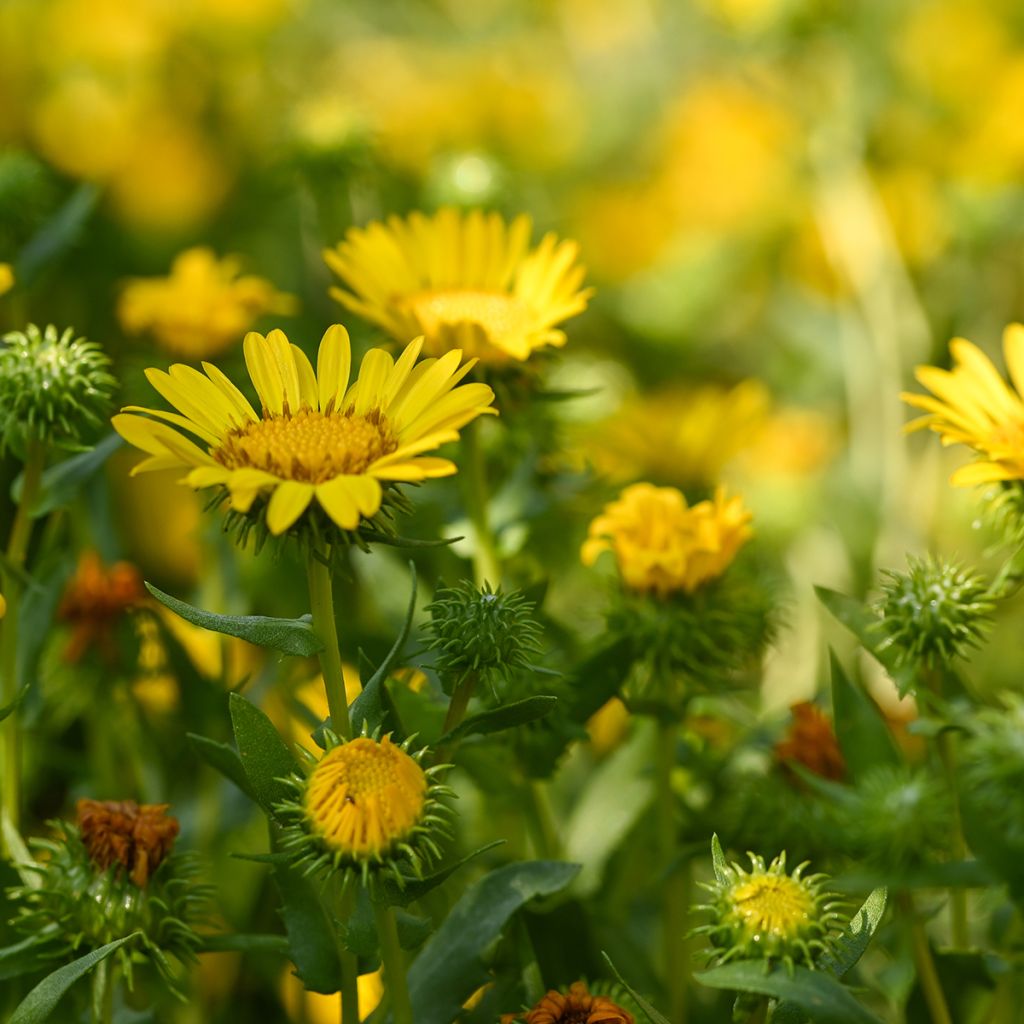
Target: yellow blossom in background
{"type": "Point", "coordinates": [679, 436]}
{"type": "Point", "coordinates": [663, 545]}
{"type": "Point", "coordinates": [202, 307]}
{"type": "Point", "coordinates": [792, 442]}
{"type": "Point", "coordinates": [317, 438]}
{"type": "Point", "coordinates": [6, 277]}
{"type": "Point", "coordinates": [287, 708]}
{"type": "Point", "coordinates": [467, 281]}
{"type": "Point", "coordinates": [3, 606]}
{"type": "Point", "coordinates": [974, 406]}
{"type": "Point", "coordinates": [308, 1007]}
{"type": "Point", "coordinates": [608, 726]}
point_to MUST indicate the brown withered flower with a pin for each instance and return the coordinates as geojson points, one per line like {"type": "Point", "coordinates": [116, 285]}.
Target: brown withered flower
{"type": "Point", "coordinates": [577, 1006]}
{"type": "Point", "coordinates": [136, 837]}
{"type": "Point", "coordinates": [94, 600]}
{"type": "Point", "coordinates": [811, 741]}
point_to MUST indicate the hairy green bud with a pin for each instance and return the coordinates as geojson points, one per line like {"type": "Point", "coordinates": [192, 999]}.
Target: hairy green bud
{"type": "Point", "coordinates": [54, 388]}
{"type": "Point", "coordinates": [480, 631]}
{"type": "Point", "coordinates": [933, 612]}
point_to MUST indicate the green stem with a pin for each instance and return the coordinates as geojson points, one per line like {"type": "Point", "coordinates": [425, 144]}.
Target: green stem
{"type": "Point", "coordinates": [393, 962]}
{"type": "Point", "coordinates": [675, 896]}
{"type": "Point", "coordinates": [344, 900]}
{"type": "Point", "coordinates": [486, 567]}
{"type": "Point", "coordinates": [461, 697]}
{"type": "Point", "coordinates": [927, 975]}
{"type": "Point", "coordinates": [958, 845]}
{"type": "Point", "coordinates": [540, 820]}
{"type": "Point", "coordinates": [321, 601]}
{"type": "Point", "coordinates": [102, 993]}
{"type": "Point", "coordinates": [17, 549]}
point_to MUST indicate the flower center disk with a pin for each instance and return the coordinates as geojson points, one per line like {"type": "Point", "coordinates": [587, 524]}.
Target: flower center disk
{"type": "Point", "coordinates": [499, 315]}
{"type": "Point", "coordinates": [364, 796]}
{"type": "Point", "coordinates": [308, 445]}
{"type": "Point", "coordinates": [778, 906]}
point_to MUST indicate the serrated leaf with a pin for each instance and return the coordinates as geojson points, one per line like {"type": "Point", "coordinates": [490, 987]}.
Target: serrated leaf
{"type": "Point", "coordinates": [312, 943]}
{"type": "Point", "coordinates": [62, 482]}
{"type": "Point", "coordinates": [856, 618]}
{"type": "Point", "coordinates": [718, 861]}
{"type": "Point", "coordinates": [224, 758]}
{"type": "Point", "coordinates": [507, 716]}
{"type": "Point", "coordinates": [818, 994]}
{"type": "Point", "coordinates": [648, 1011]}
{"type": "Point", "coordinates": [450, 967]}
{"type": "Point", "coordinates": [37, 1006]}
{"type": "Point", "coordinates": [264, 755]}
{"type": "Point", "coordinates": [863, 736]}
{"type": "Point", "coordinates": [290, 636]}
{"type": "Point", "coordinates": [416, 888]}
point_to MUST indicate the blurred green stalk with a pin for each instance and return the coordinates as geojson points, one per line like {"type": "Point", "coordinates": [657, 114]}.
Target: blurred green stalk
{"type": "Point", "coordinates": [321, 602]}
{"type": "Point", "coordinates": [486, 568]}
{"type": "Point", "coordinates": [393, 963]}
{"type": "Point", "coordinates": [17, 549]}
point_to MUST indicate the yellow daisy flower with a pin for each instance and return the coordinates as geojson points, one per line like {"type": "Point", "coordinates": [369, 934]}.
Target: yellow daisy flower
{"type": "Point", "coordinates": [318, 437]}
{"type": "Point", "coordinates": [461, 280]}
{"type": "Point", "coordinates": [973, 405]}
{"type": "Point", "coordinates": [663, 545]}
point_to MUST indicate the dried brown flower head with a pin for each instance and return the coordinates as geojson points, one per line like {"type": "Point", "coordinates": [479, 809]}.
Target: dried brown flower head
{"type": "Point", "coordinates": [137, 837]}
{"type": "Point", "coordinates": [94, 599]}
{"type": "Point", "coordinates": [811, 741]}
{"type": "Point", "coordinates": [577, 1007]}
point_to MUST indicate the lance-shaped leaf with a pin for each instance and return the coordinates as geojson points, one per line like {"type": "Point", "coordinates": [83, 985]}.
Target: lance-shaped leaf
{"type": "Point", "coordinates": [264, 755]}
{"type": "Point", "coordinates": [863, 736]}
{"type": "Point", "coordinates": [507, 716]}
{"type": "Point", "coordinates": [225, 759]}
{"type": "Point", "coordinates": [648, 1011]}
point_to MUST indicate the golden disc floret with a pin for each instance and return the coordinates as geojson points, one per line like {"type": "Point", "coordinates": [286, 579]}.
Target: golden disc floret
{"type": "Point", "coordinates": [365, 796]}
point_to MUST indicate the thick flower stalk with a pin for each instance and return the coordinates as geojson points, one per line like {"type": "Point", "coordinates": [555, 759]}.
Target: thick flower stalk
{"type": "Point", "coordinates": [202, 307]}
{"type": "Point", "coordinates": [318, 440]}
{"type": "Point", "coordinates": [466, 281]}
{"type": "Point", "coordinates": [973, 405]}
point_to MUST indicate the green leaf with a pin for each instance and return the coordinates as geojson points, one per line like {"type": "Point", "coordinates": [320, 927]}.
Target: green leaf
{"type": "Point", "coordinates": [41, 1001]}
{"type": "Point", "coordinates": [243, 943]}
{"type": "Point", "coordinates": [451, 965]}
{"type": "Point", "coordinates": [416, 888]}
{"type": "Point", "coordinates": [507, 716]}
{"type": "Point", "coordinates": [649, 1011]}
{"type": "Point", "coordinates": [818, 994]}
{"type": "Point", "coordinates": [290, 636]}
{"type": "Point", "coordinates": [312, 943]}
{"type": "Point", "coordinates": [62, 482]}
{"type": "Point", "coordinates": [860, 622]}
{"type": "Point", "coordinates": [8, 709]}
{"type": "Point", "coordinates": [29, 955]}
{"type": "Point", "coordinates": [373, 706]}
{"type": "Point", "coordinates": [718, 861]}
{"type": "Point", "coordinates": [225, 759]}
{"type": "Point", "coordinates": [59, 233]}
{"type": "Point", "coordinates": [264, 755]}
{"type": "Point", "coordinates": [863, 736]}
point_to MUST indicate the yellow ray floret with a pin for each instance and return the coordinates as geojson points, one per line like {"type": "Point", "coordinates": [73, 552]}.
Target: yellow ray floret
{"type": "Point", "coordinates": [317, 436]}
{"type": "Point", "coordinates": [972, 404]}
{"type": "Point", "coordinates": [365, 796]}
{"type": "Point", "coordinates": [661, 544]}
{"type": "Point", "coordinates": [467, 281]}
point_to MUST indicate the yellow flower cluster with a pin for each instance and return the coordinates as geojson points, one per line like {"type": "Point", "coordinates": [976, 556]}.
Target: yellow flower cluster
{"type": "Point", "coordinates": [664, 546]}
{"type": "Point", "coordinates": [202, 307]}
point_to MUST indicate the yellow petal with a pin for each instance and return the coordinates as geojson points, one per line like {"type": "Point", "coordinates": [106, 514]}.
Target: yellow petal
{"type": "Point", "coordinates": [289, 500]}
{"type": "Point", "coordinates": [307, 379]}
{"type": "Point", "coordinates": [346, 498]}
{"type": "Point", "coordinates": [368, 391]}
{"type": "Point", "coordinates": [266, 377]}
{"type": "Point", "coordinates": [333, 366]}
{"type": "Point", "coordinates": [981, 473]}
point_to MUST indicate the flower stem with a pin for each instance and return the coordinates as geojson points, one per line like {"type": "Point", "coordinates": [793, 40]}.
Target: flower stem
{"type": "Point", "coordinates": [540, 820]}
{"type": "Point", "coordinates": [17, 549]}
{"type": "Point", "coordinates": [321, 602]}
{"type": "Point", "coordinates": [927, 975]}
{"type": "Point", "coordinates": [676, 881]}
{"type": "Point", "coordinates": [393, 962]}
{"type": "Point", "coordinates": [343, 900]}
{"type": "Point", "coordinates": [461, 697]}
{"type": "Point", "coordinates": [486, 567]}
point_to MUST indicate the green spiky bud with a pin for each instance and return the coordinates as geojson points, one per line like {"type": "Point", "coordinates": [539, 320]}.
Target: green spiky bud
{"type": "Point", "coordinates": [479, 631]}
{"type": "Point", "coordinates": [933, 612]}
{"type": "Point", "coordinates": [896, 817]}
{"type": "Point", "coordinates": [74, 906]}
{"type": "Point", "coordinates": [54, 388]}
{"type": "Point", "coordinates": [770, 914]}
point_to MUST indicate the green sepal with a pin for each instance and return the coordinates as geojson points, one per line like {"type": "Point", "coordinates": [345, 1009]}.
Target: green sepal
{"type": "Point", "coordinates": [823, 998]}
{"type": "Point", "coordinates": [265, 757]}
{"type": "Point", "coordinates": [507, 716]}
{"type": "Point", "coordinates": [37, 1006]}
{"type": "Point", "coordinates": [290, 636]}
